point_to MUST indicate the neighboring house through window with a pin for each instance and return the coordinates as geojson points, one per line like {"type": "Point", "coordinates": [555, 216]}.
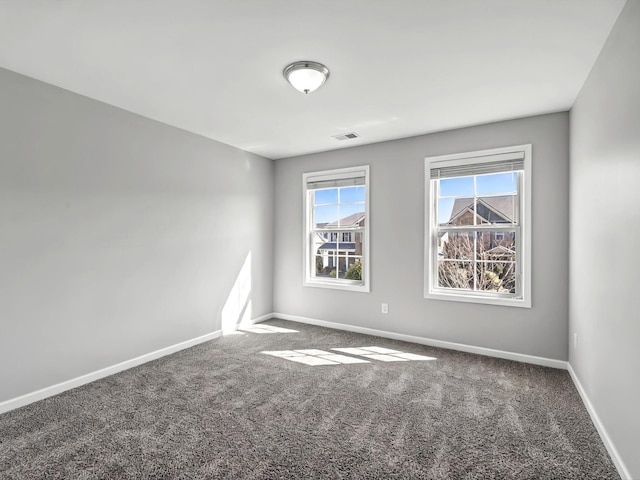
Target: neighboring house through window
{"type": "Point", "coordinates": [336, 238]}
{"type": "Point", "coordinates": [478, 233]}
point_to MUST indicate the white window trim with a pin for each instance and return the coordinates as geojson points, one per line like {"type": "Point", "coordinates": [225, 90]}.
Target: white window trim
{"type": "Point", "coordinates": [430, 232]}
{"type": "Point", "coordinates": [308, 259]}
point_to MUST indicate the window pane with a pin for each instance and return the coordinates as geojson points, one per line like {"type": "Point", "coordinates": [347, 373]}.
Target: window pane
{"type": "Point", "coordinates": [352, 194]}
{"type": "Point", "coordinates": [445, 206]}
{"type": "Point", "coordinates": [497, 183]}
{"type": "Point", "coordinates": [497, 209]}
{"type": "Point", "coordinates": [456, 187]}
{"type": "Point", "coordinates": [341, 267]}
{"type": "Point", "coordinates": [329, 195]}
{"type": "Point", "coordinates": [496, 255]}
{"type": "Point", "coordinates": [358, 241]}
{"type": "Point", "coordinates": [351, 215]}
{"type": "Point", "coordinates": [456, 246]}
{"type": "Point", "coordinates": [318, 239]}
{"type": "Point", "coordinates": [326, 264]}
{"type": "Point", "coordinates": [452, 274]}
{"type": "Point", "coordinates": [354, 268]}
{"type": "Point", "coordinates": [322, 261]}
{"type": "Point", "coordinates": [325, 215]}
{"type": "Point", "coordinates": [496, 245]}
{"type": "Point", "coordinates": [346, 266]}
{"type": "Point", "coordinates": [497, 277]}
{"type": "Point", "coordinates": [462, 212]}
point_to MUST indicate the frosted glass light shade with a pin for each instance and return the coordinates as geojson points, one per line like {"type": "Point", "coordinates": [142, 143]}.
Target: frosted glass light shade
{"type": "Point", "coordinates": [306, 76]}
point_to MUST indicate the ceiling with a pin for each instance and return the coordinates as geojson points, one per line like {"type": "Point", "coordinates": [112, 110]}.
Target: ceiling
{"type": "Point", "coordinates": [401, 68]}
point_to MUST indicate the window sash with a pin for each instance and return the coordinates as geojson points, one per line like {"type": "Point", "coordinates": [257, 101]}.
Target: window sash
{"type": "Point", "coordinates": [515, 158]}
{"type": "Point", "coordinates": [437, 229]}
{"type": "Point", "coordinates": [312, 182]}
{"type": "Point", "coordinates": [436, 287]}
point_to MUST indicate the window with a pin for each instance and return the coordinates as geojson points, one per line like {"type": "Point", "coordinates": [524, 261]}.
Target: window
{"type": "Point", "coordinates": [336, 235]}
{"type": "Point", "coordinates": [478, 228]}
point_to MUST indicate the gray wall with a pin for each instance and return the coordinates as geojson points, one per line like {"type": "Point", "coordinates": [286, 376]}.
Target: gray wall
{"type": "Point", "coordinates": [397, 223]}
{"type": "Point", "coordinates": [118, 235]}
{"type": "Point", "coordinates": [605, 236]}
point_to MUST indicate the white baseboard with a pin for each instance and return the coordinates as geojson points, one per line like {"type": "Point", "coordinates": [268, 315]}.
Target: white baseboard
{"type": "Point", "coordinates": [41, 394]}
{"type": "Point", "coordinates": [519, 357]}
{"type": "Point", "coordinates": [613, 452]}
{"type": "Point", "coordinates": [262, 318]}
{"type": "Point", "coordinates": [547, 362]}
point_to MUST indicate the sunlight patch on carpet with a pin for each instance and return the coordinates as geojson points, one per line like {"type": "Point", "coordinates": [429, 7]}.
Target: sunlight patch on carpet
{"type": "Point", "coordinates": [266, 329]}
{"type": "Point", "coordinates": [312, 356]}
{"type": "Point", "coordinates": [383, 354]}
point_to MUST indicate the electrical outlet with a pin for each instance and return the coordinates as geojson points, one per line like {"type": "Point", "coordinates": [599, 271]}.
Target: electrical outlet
{"type": "Point", "coordinates": [385, 308]}
{"type": "Point", "coordinates": [575, 340]}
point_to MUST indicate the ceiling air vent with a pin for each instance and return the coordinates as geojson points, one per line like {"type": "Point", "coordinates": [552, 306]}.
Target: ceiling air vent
{"type": "Point", "coordinates": [346, 136]}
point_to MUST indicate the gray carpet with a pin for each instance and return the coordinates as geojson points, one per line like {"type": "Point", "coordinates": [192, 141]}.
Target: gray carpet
{"type": "Point", "coordinates": [223, 409]}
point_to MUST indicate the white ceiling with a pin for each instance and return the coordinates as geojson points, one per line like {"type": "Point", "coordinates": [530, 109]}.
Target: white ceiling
{"type": "Point", "coordinates": [398, 68]}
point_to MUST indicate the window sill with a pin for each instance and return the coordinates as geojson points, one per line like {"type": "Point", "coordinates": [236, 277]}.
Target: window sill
{"type": "Point", "coordinates": [470, 298]}
{"type": "Point", "coordinates": [351, 287]}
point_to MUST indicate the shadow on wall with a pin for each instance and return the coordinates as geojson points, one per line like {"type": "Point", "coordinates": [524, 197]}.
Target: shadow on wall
{"type": "Point", "coordinates": [237, 308]}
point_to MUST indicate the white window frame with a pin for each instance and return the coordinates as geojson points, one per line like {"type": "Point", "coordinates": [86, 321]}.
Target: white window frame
{"type": "Point", "coordinates": [522, 298]}
{"type": "Point", "coordinates": [310, 280]}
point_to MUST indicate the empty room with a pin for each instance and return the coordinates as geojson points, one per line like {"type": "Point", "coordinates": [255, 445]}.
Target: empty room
{"type": "Point", "coordinates": [300, 239]}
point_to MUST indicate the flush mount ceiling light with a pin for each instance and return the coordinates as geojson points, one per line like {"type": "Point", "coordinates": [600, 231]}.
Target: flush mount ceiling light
{"type": "Point", "coordinates": [306, 76]}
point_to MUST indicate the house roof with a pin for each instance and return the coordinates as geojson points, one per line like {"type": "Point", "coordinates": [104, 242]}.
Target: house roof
{"type": "Point", "coordinates": [500, 251]}
{"type": "Point", "coordinates": [349, 221]}
{"type": "Point", "coordinates": [502, 205]}
{"type": "Point", "coordinates": [344, 246]}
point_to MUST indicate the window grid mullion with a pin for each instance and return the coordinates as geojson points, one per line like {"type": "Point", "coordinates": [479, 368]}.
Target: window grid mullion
{"type": "Point", "coordinates": [490, 227]}
{"type": "Point", "coordinates": [340, 229]}
{"type": "Point", "coordinates": [339, 217]}
{"type": "Point", "coordinates": [475, 235]}
{"type": "Point", "coordinates": [435, 270]}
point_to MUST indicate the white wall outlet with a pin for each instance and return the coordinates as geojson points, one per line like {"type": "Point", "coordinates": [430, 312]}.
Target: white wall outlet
{"type": "Point", "coordinates": [575, 340]}
{"type": "Point", "coordinates": [385, 308]}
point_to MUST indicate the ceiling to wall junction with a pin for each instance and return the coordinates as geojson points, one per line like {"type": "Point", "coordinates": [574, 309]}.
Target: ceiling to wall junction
{"type": "Point", "coordinates": [398, 69]}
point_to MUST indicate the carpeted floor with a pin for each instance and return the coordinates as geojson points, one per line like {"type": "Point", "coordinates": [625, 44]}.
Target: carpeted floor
{"type": "Point", "coordinates": [224, 409]}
